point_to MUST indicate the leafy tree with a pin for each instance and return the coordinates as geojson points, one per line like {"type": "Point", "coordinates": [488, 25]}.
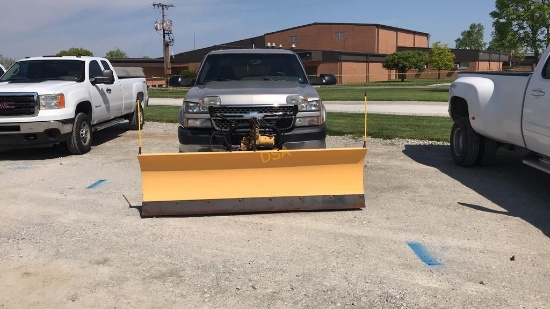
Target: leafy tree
{"type": "Point", "coordinates": [471, 38]}
{"type": "Point", "coordinates": [503, 37]}
{"type": "Point", "coordinates": [441, 57]}
{"type": "Point", "coordinates": [403, 61]}
{"type": "Point", "coordinates": [75, 51]}
{"type": "Point", "coordinates": [505, 40]}
{"type": "Point", "coordinates": [116, 53]}
{"type": "Point", "coordinates": [6, 62]}
{"type": "Point", "coordinates": [529, 20]}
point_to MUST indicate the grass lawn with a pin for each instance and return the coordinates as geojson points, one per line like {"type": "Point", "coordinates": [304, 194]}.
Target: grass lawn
{"type": "Point", "coordinates": [428, 128]}
{"type": "Point", "coordinates": [343, 94]}
{"type": "Point", "coordinates": [379, 126]}
{"type": "Point", "coordinates": [384, 94]}
{"type": "Point", "coordinates": [408, 82]}
{"type": "Point", "coordinates": [172, 93]}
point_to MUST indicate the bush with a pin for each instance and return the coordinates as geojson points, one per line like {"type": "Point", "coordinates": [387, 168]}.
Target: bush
{"type": "Point", "coordinates": [188, 74]}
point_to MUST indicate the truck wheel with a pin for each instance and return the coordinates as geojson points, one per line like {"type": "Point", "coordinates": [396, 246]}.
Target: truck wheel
{"type": "Point", "coordinates": [487, 151]}
{"type": "Point", "coordinates": [464, 143]}
{"type": "Point", "coordinates": [134, 117]}
{"type": "Point", "coordinates": [80, 141]}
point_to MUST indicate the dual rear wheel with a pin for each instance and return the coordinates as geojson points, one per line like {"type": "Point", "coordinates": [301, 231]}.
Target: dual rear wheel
{"type": "Point", "coordinates": [469, 148]}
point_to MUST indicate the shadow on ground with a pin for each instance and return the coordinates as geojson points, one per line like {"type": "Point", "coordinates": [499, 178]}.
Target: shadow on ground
{"type": "Point", "coordinates": [60, 150]}
{"type": "Point", "coordinates": [521, 190]}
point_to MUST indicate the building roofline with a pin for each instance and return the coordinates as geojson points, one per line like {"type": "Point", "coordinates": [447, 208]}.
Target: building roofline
{"type": "Point", "coordinates": [351, 24]}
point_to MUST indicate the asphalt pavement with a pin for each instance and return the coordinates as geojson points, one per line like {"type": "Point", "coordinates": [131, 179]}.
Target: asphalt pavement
{"type": "Point", "coordinates": [418, 108]}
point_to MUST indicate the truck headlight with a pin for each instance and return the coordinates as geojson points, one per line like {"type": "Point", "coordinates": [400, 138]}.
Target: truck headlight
{"type": "Point", "coordinates": [309, 121]}
{"type": "Point", "coordinates": [52, 101]}
{"type": "Point", "coordinates": [303, 103]}
{"type": "Point", "coordinates": [310, 106]}
{"type": "Point", "coordinates": [202, 105]}
{"type": "Point", "coordinates": [197, 123]}
{"type": "Point", "coordinates": [295, 100]}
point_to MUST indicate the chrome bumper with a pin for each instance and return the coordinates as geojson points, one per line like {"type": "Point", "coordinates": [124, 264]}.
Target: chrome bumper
{"type": "Point", "coordinates": [64, 126]}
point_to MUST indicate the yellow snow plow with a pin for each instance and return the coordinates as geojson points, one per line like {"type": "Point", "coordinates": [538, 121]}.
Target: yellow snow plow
{"type": "Point", "coordinates": [250, 180]}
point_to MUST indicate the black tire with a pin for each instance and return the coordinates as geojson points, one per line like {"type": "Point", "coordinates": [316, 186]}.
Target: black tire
{"type": "Point", "coordinates": [133, 117]}
{"type": "Point", "coordinates": [80, 141]}
{"type": "Point", "coordinates": [465, 143]}
{"type": "Point", "coordinates": [487, 151]}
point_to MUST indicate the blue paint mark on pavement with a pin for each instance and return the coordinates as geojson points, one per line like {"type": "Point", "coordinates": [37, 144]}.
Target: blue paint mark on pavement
{"type": "Point", "coordinates": [15, 167]}
{"type": "Point", "coordinates": [96, 184]}
{"type": "Point", "coordinates": [423, 254]}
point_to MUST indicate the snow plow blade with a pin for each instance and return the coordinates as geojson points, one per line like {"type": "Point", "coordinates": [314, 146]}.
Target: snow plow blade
{"type": "Point", "coordinates": [183, 184]}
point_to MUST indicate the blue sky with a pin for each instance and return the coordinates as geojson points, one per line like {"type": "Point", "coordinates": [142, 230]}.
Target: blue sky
{"type": "Point", "coordinates": [38, 27]}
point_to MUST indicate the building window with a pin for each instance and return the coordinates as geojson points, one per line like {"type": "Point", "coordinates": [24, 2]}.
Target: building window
{"type": "Point", "coordinates": [293, 39]}
{"type": "Point", "coordinates": [339, 35]}
{"type": "Point", "coordinates": [463, 65]}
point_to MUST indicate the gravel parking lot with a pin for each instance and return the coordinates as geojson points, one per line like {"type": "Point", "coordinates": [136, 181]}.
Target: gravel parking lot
{"type": "Point", "coordinates": [432, 235]}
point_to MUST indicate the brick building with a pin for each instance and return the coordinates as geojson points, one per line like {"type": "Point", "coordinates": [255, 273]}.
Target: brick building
{"type": "Point", "coordinates": [351, 51]}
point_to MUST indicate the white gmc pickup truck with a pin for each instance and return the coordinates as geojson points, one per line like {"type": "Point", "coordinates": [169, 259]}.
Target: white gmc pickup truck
{"type": "Point", "coordinates": [51, 100]}
{"type": "Point", "coordinates": [492, 109]}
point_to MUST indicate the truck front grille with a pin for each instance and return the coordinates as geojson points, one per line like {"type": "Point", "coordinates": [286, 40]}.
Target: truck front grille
{"type": "Point", "coordinates": [19, 104]}
{"type": "Point", "coordinates": [224, 117]}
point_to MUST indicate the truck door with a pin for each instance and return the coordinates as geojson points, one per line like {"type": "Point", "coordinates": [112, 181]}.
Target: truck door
{"type": "Point", "coordinates": [536, 110]}
{"type": "Point", "coordinates": [100, 100]}
{"type": "Point", "coordinates": [115, 93]}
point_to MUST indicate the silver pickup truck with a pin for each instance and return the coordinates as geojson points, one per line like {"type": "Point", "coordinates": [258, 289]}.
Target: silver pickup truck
{"type": "Point", "coordinates": [234, 86]}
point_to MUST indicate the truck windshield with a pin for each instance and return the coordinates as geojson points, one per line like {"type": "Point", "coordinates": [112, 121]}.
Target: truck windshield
{"type": "Point", "coordinates": [42, 70]}
{"type": "Point", "coordinates": [252, 66]}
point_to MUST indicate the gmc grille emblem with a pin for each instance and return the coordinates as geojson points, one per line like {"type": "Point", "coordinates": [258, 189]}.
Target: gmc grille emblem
{"type": "Point", "coordinates": [7, 105]}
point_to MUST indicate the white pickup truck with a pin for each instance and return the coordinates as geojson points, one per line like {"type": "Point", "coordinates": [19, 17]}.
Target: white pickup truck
{"type": "Point", "coordinates": [52, 100]}
{"type": "Point", "coordinates": [492, 109]}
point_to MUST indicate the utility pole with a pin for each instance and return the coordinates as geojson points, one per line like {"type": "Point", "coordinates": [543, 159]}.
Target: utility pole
{"type": "Point", "coordinates": [167, 38]}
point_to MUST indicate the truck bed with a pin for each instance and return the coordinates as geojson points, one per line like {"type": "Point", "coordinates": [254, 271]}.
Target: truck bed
{"type": "Point", "coordinates": [509, 73]}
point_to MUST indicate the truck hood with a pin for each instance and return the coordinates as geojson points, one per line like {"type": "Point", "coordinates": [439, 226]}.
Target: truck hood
{"type": "Point", "coordinates": [252, 92]}
{"type": "Point", "coordinates": [45, 87]}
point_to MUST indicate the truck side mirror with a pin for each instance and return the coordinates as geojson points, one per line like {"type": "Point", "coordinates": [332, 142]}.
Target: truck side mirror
{"type": "Point", "coordinates": [328, 79]}
{"type": "Point", "coordinates": [323, 79]}
{"type": "Point", "coordinates": [187, 82]}
{"type": "Point", "coordinates": [180, 81]}
{"type": "Point", "coordinates": [106, 78]}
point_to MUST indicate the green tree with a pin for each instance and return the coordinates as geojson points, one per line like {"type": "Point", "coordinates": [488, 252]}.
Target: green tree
{"type": "Point", "coordinates": [403, 61]}
{"type": "Point", "coordinates": [528, 19]}
{"type": "Point", "coordinates": [6, 62]}
{"type": "Point", "coordinates": [441, 58]}
{"type": "Point", "coordinates": [471, 38]}
{"type": "Point", "coordinates": [503, 37]}
{"type": "Point", "coordinates": [75, 51]}
{"type": "Point", "coordinates": [505, 40]}
{"type": "Point", "coordinates": [116, 53]}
